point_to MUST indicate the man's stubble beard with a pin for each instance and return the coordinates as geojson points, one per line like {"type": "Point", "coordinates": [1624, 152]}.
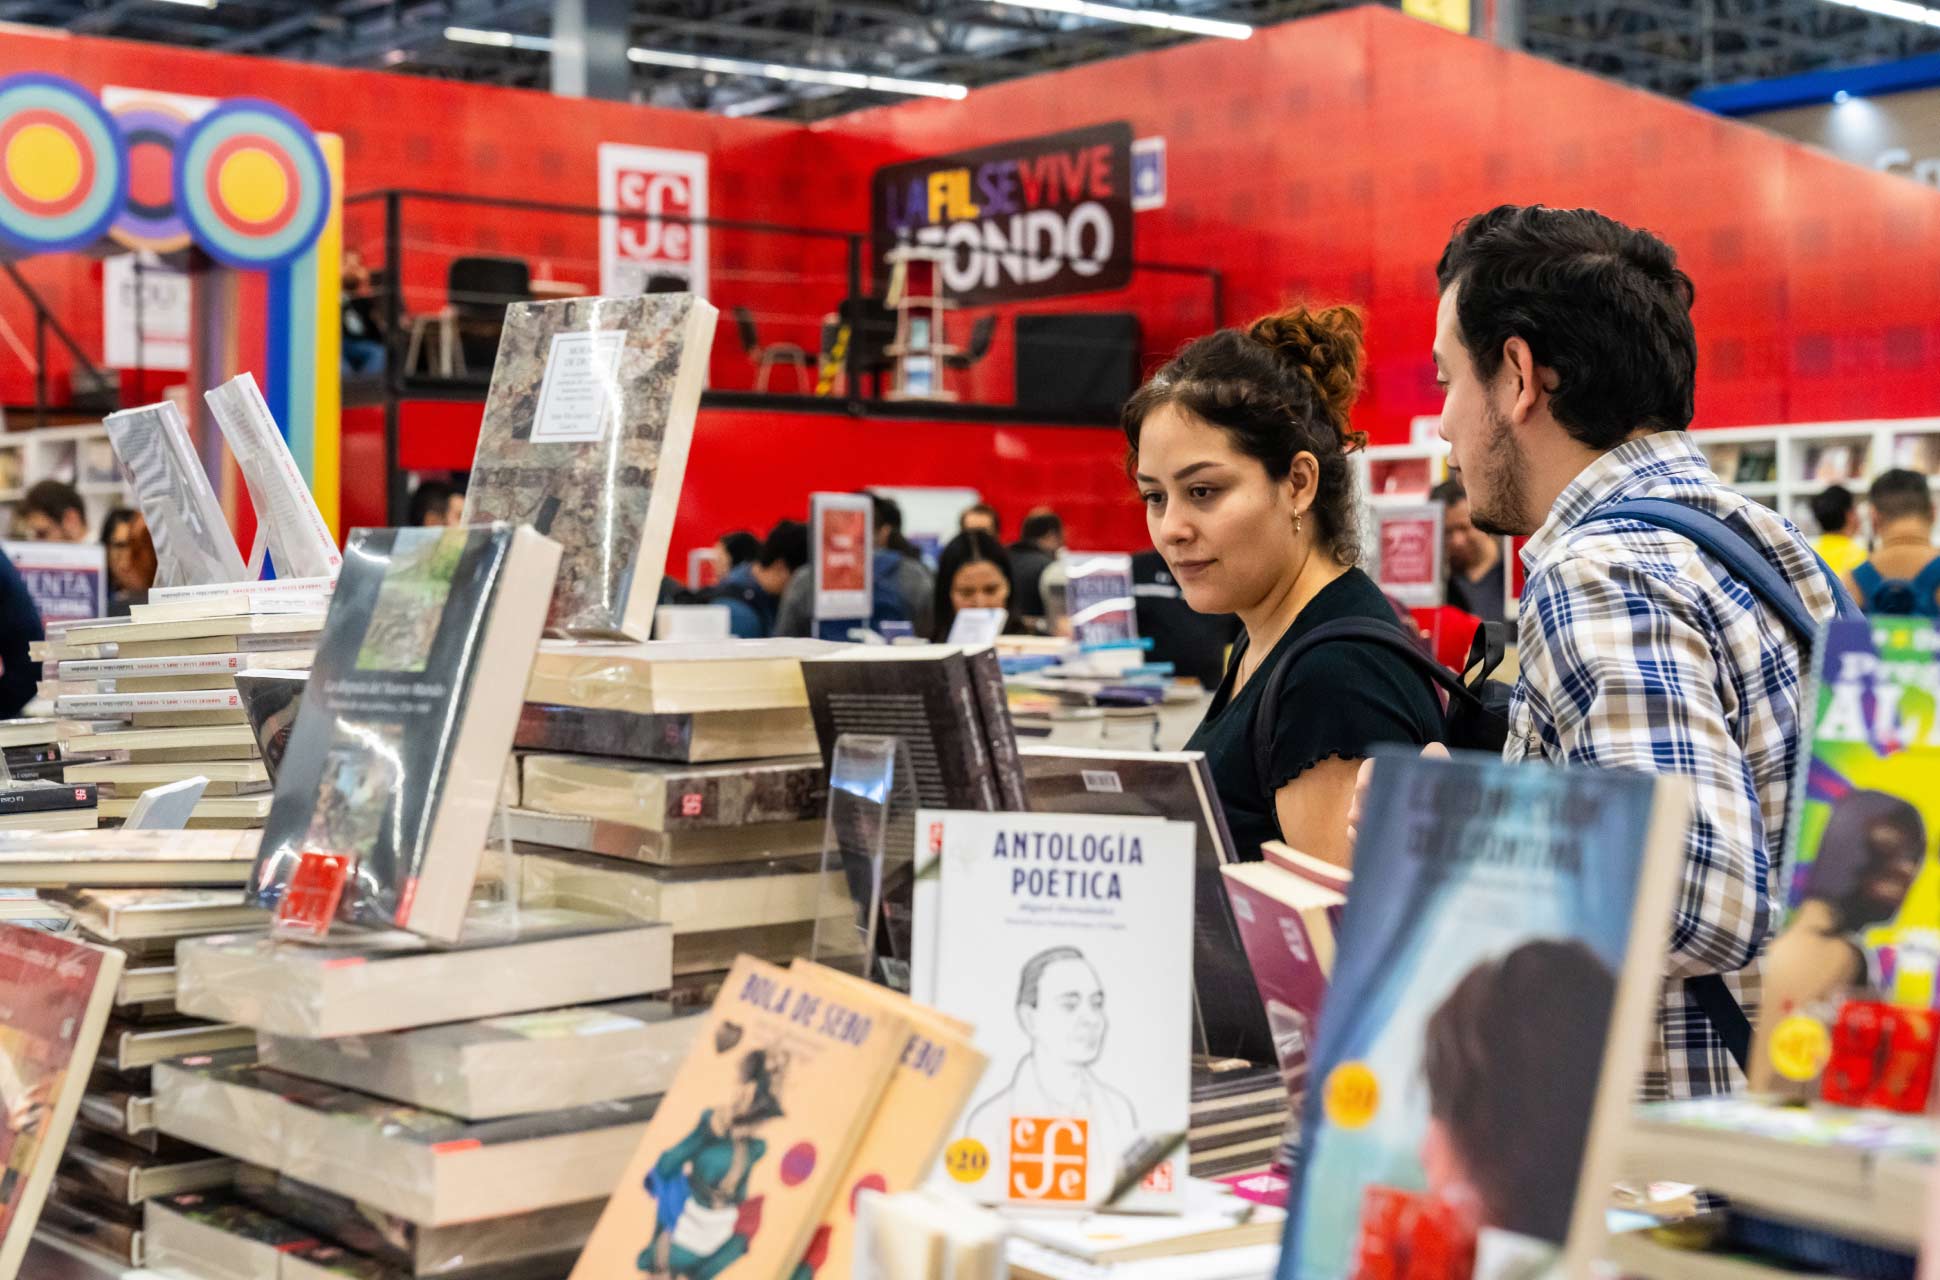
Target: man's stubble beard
{"type": "Point", "coordinates": [1502, 508]}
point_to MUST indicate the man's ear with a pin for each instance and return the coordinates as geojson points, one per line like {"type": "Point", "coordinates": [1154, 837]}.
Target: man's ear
{"type": "Point", "coordinates": [1027, 1019]}
{"type": "Point", "coordinates": [1528, 380]}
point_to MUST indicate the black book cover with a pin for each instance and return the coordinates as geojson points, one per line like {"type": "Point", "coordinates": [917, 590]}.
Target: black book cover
{"type": "Point", "coordinates": [375, 759]}
{"type": "Point", "coordinates": [46, 797]}
{"type": "Point", "coordinates": [923, 696]}
{"type": "Point", "coordinates": [1000, 735]}
{"type": "Point", "coordinates": [38, 754]}
{"type": "Point", "coordinates": [271, 700]}
{"type": "Point", "coordinates": [1179, 786]}
{"type": "Point", "coordinates": [583, 731]}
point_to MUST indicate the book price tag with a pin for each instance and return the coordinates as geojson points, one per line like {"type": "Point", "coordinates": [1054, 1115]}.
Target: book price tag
{"type": "Point", "coordinates": [310, 902]}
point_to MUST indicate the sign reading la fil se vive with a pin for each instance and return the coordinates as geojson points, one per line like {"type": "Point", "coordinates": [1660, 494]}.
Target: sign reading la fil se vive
{"type": "Point", "coordinates": [1037, 218]}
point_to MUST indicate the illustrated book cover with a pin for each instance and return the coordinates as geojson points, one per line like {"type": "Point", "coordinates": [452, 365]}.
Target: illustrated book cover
{"type": "Point", "coordinates": [1487, 1022]}
{"type": "Point", "coordinates": [399, 748]}
{"type": "Point", "coordinates": [1067, 943]}
{"type": "Point", "coordinates": [585, 439]}
{"type": "Point", "coordinates": [55, 995]}
{"type": "Point", "coordinates": [744, 1155]}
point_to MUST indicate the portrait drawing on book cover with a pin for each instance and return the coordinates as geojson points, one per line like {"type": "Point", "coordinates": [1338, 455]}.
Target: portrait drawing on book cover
{"type": "Point", "coordinates": [704, 1218]}
{"type": "Point", "coordinates": [1055, 1117]}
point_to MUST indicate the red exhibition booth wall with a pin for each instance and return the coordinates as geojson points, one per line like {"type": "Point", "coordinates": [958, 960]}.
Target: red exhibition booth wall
{"type": "Point", "coordinates": [1323, 160]}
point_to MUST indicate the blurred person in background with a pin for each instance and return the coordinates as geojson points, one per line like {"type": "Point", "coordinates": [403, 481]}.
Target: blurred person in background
{"type": "Point", "coordinates": [363, 341]}
{"type": "Point", "coordinates": [903, 588]}
{"type": "Point", "coordinates": [973, 572]}
{"type": "Point", "coordinates": [1194, 643]}
{"type": "Point", "coordinates": [131, 560]}
{"type": "Point", "coordinates": [732, 550]}
{"type": "Point", "coordinates": [981, 516]}
{"type": "Point", "coordinates": [753, 589]}
{"type": "Point", "coordinates": [435, 503]}
{"type": "Point", "coordinates": [20, 627]}
{"type": "Point", "coordinates": [1475, 565]}
{"type": "Point", "coordinates": [51, 511]}
{"type": "Point", "coordinates": [1040, 539]}
{"type": "Point", "coordinates": [1902, 577]}
{"type": "Point", "coordinates": [1836, 512]}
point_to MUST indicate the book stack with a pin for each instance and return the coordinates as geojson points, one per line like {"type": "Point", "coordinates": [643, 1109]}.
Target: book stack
{"type": "Point", "coordinates": [1240, 1113]}
{"type": "Point", "coordinates": [164, 684]}
{"type": "Point", "coordinates": [1216, 1234]}
{"type": "Point", "coordinates": [415, 1102]}
{"type": "Point", "coordinates": [678, 784]}
{"type": "Point", "coordinates": [34, 751]}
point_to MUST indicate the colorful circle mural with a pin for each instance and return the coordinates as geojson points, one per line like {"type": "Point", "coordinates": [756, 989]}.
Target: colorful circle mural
{"type": "Point", "coordinates": [251, 184]}
{"type": "Point", "coordinates": [63, 169]}
{"type": "Point", "coordinates": [151, 133]}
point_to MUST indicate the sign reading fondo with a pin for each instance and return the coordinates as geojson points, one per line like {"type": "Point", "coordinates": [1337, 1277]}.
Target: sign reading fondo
{"type": "Point", "coordinates": [1030, 219]}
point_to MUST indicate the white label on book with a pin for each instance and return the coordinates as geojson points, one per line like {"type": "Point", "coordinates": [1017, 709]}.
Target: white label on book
{"type": "Point", "coordinates": [581, 388]}
{"type": "Point", "coordinates": [561, 1024]}
{"type": "Point", "coordinates": [1102, 780]}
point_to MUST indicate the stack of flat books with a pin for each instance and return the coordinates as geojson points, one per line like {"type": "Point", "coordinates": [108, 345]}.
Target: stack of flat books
{"type": "Point", "coordinates": [1239, 1117]}
{"type": "Point", "coordinates": [164, 697]}
{"type": "Point", "coordinates": [32, 794]}
{"type": "Point", "coordinates": [415, 1102]}
{"type": "Point", "coordinates": [679, 784]}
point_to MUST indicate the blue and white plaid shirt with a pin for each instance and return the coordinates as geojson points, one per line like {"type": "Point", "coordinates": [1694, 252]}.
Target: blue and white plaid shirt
{"type": "Point", "coordinates": [1637, 652]}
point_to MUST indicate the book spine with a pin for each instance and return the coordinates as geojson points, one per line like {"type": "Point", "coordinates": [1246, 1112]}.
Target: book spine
{"type": "Point", "coordinates": [47, 799]}
{"type": "Point", "coordinates": [987, 676]}
{"type": "Point", "coordinates": [961, 714]}
{"type": "Point", "coordinates": [86, 705]}
{"type": "Point", "coordinates": [17, 756]}
{"type": "Point", "coordinates": [211, 664]}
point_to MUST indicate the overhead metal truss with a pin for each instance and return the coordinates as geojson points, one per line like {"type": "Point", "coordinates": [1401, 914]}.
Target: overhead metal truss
{"type": "Point", "coordinates": [1672, 46]}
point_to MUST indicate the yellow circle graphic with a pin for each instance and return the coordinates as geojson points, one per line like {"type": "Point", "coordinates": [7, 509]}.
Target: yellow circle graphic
{"type": "Point", "coordinates": [1353, 1095]}
{"type": "Point", "coordinates": [252, 185]}
{"type": "Point", "coordinates": [1801, 1046]}
{"type": "Point", "coordinates": [43, 162]}
{"type": "Point", "coordinates": [966, 1160]}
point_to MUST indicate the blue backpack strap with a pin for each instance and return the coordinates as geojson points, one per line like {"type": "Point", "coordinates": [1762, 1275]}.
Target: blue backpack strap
{"type": "Point", "coordinates": [1869, 580]}
{"type": "Point", "coordinates": [1744, 561]}
{"type": "Point", "coordinates": [1925, 584]}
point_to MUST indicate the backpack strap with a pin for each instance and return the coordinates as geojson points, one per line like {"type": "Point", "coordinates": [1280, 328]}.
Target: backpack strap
{"type": "Point", "coordinates": [1869, 580]}
{"type": "Point", "coordinates": [1748, 566]}
{"type": "Point", "coordinates": [1386, 635]}
{"type": "Point", "coordinates": [1925, 584]}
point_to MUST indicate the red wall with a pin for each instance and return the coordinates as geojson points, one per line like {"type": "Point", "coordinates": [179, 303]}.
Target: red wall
{"type": "Point", "coordinates": [1324, 159]}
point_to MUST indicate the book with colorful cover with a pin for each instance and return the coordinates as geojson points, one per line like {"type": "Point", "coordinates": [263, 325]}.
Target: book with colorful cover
{"type": "Point", "coordinates": [400, 746]}
{"type": "Point", "coordinates": [744, 1155]}
{"type": "Point", "coordinates": [585, 439]}
{"type": "Point", "coordinates": [1067, 943]}
{"type": "Point", "coordinates": [1488, 1016]}
{"type": "Point", "coordinates": [55, 995]}
{"type": "Point", "coordinates": [1864, 867]}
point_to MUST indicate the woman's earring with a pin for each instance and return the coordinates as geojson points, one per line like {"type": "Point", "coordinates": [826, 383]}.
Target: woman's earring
{"type": "Point", "coordinates": [1297, 518]}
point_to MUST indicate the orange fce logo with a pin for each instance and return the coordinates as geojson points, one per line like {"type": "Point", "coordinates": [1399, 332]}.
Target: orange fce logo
{"type": "Point", "coordinates": [1048, 1158]}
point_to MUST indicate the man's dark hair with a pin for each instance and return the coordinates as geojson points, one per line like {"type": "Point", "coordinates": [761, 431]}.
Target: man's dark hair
{"type": "Point", "coordinates": [1832, 508]}
{"type": "Point", "coordinates": [1032, 974]}
{"type": "Point", "coordinates": [889, 514]}
{"type": "Point", "coordinates": [786, 542]}
{"type": "Point", "coordinates": [984, 508]}
{"type": "Point", "coordinates": [1602, 305]}
{"type": "Point", "coordinates": [53, 499]}
{"type": "Point", "coordinates": [431, 496]}
{"type": "Point", "coordinates": [741, 547]}
{"type": "Point", "coordinates": [1041, 524]}
{"type": "Point", "coordinates": [1900, 493]}
{"type": "Point", "coordinates": [1449, 492]}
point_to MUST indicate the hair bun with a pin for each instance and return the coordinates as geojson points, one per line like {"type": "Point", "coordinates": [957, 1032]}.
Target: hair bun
{"type": "Point", "coordinates": [1325, 348]}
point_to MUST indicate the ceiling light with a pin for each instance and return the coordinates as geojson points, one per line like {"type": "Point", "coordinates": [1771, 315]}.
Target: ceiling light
{"type": "Point", "coordinates": [193, 4]}
{"type": "Point", "coordinates": [1166, 21]}
{"type": "Point", "coordinates": [1901, 9]}
{"type": "Point", "coordinates": [499, 39]}
{"type": "Point", "coordinates": [796, 75]}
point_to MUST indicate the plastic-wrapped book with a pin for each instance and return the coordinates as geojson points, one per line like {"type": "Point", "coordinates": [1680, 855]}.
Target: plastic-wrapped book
{"type": "Point", "coordinates": [193, 544]}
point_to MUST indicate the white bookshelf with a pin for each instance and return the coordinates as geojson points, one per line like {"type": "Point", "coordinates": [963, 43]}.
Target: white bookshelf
{"type": "Point", "coordinates": [1806, 457]}
{"type": "Point", "coordinates": [81, 456]}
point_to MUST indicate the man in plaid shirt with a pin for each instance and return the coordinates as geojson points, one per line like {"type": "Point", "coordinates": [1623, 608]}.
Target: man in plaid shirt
{"type": "Point", "coordinates": [1565, 346]}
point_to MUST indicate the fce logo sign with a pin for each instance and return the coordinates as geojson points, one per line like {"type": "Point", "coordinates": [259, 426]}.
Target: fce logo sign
{"type": "Point", "coordinates": [639, 246]}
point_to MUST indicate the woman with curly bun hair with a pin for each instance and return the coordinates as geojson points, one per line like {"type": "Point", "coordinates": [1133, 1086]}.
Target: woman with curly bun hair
{"type": "Point", "coordinates": [1240, 448]}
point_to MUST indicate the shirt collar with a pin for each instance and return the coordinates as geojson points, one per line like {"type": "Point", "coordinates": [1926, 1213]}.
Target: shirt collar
{"type": "Point", "coordinates": [1629, 470]}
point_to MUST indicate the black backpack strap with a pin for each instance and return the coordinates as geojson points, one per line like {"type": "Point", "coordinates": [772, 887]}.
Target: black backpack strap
{"type": "Point", "coordinates": [1387, 635]}
{"type": "Point", "coordinates": [1726, 1016]}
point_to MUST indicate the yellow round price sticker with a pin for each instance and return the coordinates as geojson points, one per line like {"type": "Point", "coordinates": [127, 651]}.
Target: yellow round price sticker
{"type": "Point", "coordinates": [1801, 1047]}
{"type": "Point", "coordinates": [966, 1159]}
{"type": "Point", "coordinates": [1353, 1095]}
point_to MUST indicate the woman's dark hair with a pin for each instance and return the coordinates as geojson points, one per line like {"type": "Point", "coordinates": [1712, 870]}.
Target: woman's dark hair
{"type": "Point", "coordinates": [1602, 304]}
{"type": "Point", "coordinates": [741, 547]}
{"type": "Point", "coordinates": [1280, 387]}
{"type": "Point", "coordinates": [1831, 508]}
{"type": "Point", "coordinates": [1512, 1059]}
{"type": "Point", "coordinates": [973, 546]}
{"type": "Point", "coordinates": [112, 522]}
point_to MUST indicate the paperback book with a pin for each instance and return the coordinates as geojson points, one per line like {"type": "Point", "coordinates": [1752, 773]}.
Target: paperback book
{"type": "Point", "coordinates": [213, 1233]}
{"type": "Point", "coordinates": [1176, 785]}
{"type": "Point", "coordinates": [300, 542]}
{"type": "Point", "coordinates": [396, 759]}
{"type": "Point", "coordinates": [681, 738]}
{"type": "Point", "coordinates": [689, 900]}
{"type": "Point", "coordinates": [193, 544]}
{"type": "Point", "coordinates": [1067, 943]}
{"type": "Point", "coordinates": [585, 439]}
{"type": "Point", "coordinates": [117, 858]}
{"type": "Point", "coordinates": [1502, 982]}
{"type": "Point", "coordinates": [664, 797]}
{"type": "Point", "coordinates": [54, 1000]}
{"type": "Point", "coordinates": [744, 1156]}
{"type": "Point", "coordinates": [115, 914]}
{"type": "Point", "coordinates": [682, 847]}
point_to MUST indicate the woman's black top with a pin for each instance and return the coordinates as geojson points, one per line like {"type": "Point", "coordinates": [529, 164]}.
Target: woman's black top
{"type": "Point", "coordinates": [1337, 701]}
